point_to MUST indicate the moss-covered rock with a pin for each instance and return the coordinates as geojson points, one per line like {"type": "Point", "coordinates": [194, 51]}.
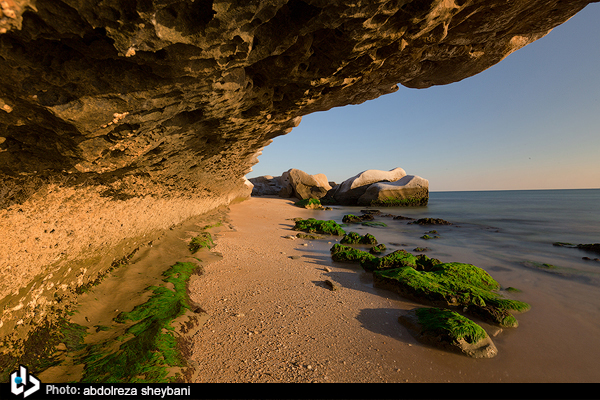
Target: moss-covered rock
{"type": "Point", "coordinates": [399, 258]}
{"type": "Point", "coordinates": [449, 330]}
{"type": "Point", "coordinates": [355, 238]}
{"type": "Point", "coordinates": [342, 253]}
{"type": "Point", "coordinates": [378, 249]}
{"type": "Point", "coordinates": [351, 238]}
{"type": "Point", "coordinates": [312, 225]}
{"type": "Point", "coordinates": [311, 204]}
{"type": "Point", "coordinates": [453, 284]}
{"type": "Point", "coordinates": [355, 219]}
{"type": "Point", "coordinates": [431, 221]}
{"type": "Point", "coordinates": [374, 224]}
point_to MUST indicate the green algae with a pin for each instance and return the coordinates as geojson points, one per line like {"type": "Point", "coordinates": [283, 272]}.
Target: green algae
{"type": "Point", "coordinates": [351, 219]}
{"type": "Point", "coordinates": [399, 258]}
{"type": "Point", "coordinates": [309, 203]}
{"type": "Point", "coordinates": [149, 346]}
{"type": "Point", "coordinates": [374, 224]}
{"type": "Point", "coordinates": [203, 240]}
{"type": "Point", "coordinates": [397, 202]}
{"type": "Point", "coordinates": [378, 249]}
{"type": "Point", "coordinates": [454, 284]}
{"type": "Point", "coordinates": [312, 225]}
{"type": "Point", "coordinates": [342, 253]}
{"type": "Point", "coordinates": [449, 324]}
{"type": "Point", "coordinates": [355, 238]}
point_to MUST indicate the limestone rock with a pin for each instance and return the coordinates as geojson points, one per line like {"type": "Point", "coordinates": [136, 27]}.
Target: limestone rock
{"type": "Point", "coordinates": [409, 190]}
{"type": "Point", "coordinates": [266, 186]}
{"type": "Point", "coordinates": [381, 188]}
{"type": "Point", "coordinates": [305, 186]}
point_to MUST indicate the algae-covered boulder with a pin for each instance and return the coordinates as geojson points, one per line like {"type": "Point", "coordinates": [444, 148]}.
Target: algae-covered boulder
{"type": "Point", "coordinates": [377, 249]}
{"type": "Point", "coordinates": [449, 330]}
{"type": "Point", "coordinates": [312, 225]}
{"type": "Point", "coordinates": [311, 204]}
{"type": "Point", "coordinates": [356, 219]}
{"type": "Point", "coordinates": [355, 238]}
{"type": "Point", "coordinates": [342, 253]}
{"type": "Point", "coordinates": [455, 285]}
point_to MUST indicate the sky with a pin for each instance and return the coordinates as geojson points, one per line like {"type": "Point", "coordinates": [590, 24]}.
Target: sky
{"type": "Point", "coordinates": [531, 121]}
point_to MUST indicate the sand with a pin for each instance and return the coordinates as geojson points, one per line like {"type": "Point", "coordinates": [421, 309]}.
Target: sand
{"type": "Point", "coordinates": [272, 318]}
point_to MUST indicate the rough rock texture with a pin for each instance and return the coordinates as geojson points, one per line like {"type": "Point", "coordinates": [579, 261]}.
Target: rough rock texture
{"type": "Point", "coordinates": [304, 186]}
{"type": "Point", "coordinates": [118, 119]}
{"type": "Point", "coordinates": [349, 191]}
{"type": "Point", "coordinates": [376, 187]}
{"type": "Point", "coordinates": [410, 188]}
{"type": "Point", "coordinates": [483, 348]}
{"type": "Point", "coordinates": [292, 183]}
{"type": "Point", "coordinates": [266, 185]}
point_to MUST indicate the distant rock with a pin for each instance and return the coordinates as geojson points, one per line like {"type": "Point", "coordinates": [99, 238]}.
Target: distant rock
{"type": "Point", "coordinates": [431, 221]}
{"type": "Point", "coordinates": [382, 188]}
{"type": "Point", "coordinates": [305, 186]}
{"type": "Point", "coordinates": [292, 183]}
{"type": "Point", "coordinates": [410, 190]}
{"type": "Point", "coordinates": [266, 186]}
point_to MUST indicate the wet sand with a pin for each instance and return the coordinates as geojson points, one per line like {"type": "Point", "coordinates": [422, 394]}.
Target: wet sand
{"type": "Point", "coordinates": [271, 317]}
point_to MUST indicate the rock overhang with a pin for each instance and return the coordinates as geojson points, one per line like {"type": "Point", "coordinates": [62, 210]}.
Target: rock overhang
{"type": "Point", "coordinates": [128, 117]}
{"type": "Point", "coordinates": [152, 87]}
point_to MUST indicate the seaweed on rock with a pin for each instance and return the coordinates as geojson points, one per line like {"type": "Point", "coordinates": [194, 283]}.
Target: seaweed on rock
{"type": "Point", "coordinates": [342, 253]}
{"type": "Point", "coordinates": [312, 225]}
{"type": "Point", "coordinates": [453, 284]}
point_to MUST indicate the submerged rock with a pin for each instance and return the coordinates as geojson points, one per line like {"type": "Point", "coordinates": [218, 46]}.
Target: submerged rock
{"type": "Point", "coordinates": [355, 238]}
{"type": "Point", "coordinates": [356, 219]}
{"type": "Point", "coordinates": [431, 221]}
{"type": "Point", "coordinates": [449, 330]}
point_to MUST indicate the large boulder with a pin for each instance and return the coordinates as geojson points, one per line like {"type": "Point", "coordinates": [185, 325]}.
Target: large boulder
{"type": "Point", "coordinates": [349, 191]}
{"type": "Point", "coordinates": [382, 188]}
{"type": "Point", "coordinates": [304, 186]}
{"type": "Point", "coordinates": [292, 183]}
{"type": "Point", "coordinates": [410, 190]}
{"type": "Point", "coordinates": [266, 185]}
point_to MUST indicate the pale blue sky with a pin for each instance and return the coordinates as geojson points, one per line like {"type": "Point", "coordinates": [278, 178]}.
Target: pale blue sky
{"type": "Point", "coordinates": [530, 122]}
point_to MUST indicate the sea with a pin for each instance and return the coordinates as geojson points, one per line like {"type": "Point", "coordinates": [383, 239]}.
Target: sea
{"type": "Point", "coordinates": [516, 228]}
{"type": "Point", "coordinates": [511, 234]}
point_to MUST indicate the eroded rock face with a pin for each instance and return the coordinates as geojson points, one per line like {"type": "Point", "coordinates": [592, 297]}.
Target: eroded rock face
{"type": "Point", "coordinates": [126, 117]}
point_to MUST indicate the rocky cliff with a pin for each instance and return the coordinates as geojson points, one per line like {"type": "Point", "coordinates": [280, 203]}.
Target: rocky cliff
{"type": "Point", "coordinates": [122, 118]}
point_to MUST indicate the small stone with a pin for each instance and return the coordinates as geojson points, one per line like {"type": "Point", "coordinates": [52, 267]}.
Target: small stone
{"type": "Point", "coordinates": [332, 285]}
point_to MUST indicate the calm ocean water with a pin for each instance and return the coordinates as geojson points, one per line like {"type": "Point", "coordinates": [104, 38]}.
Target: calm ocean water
{"type": "Point", "coordinates": [515, 228]}
{"type": "Point", "coordinates": [509, 234]}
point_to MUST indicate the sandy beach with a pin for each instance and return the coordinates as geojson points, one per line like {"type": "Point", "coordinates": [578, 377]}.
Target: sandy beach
{"type": "Point", "coordinates": [272, 318]}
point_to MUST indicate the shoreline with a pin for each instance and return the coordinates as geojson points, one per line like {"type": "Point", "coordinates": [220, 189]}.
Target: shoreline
{"type": "Point", "coordinates": [273, 319]}
{"type": "Point", "coordinates": [263, 311]}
